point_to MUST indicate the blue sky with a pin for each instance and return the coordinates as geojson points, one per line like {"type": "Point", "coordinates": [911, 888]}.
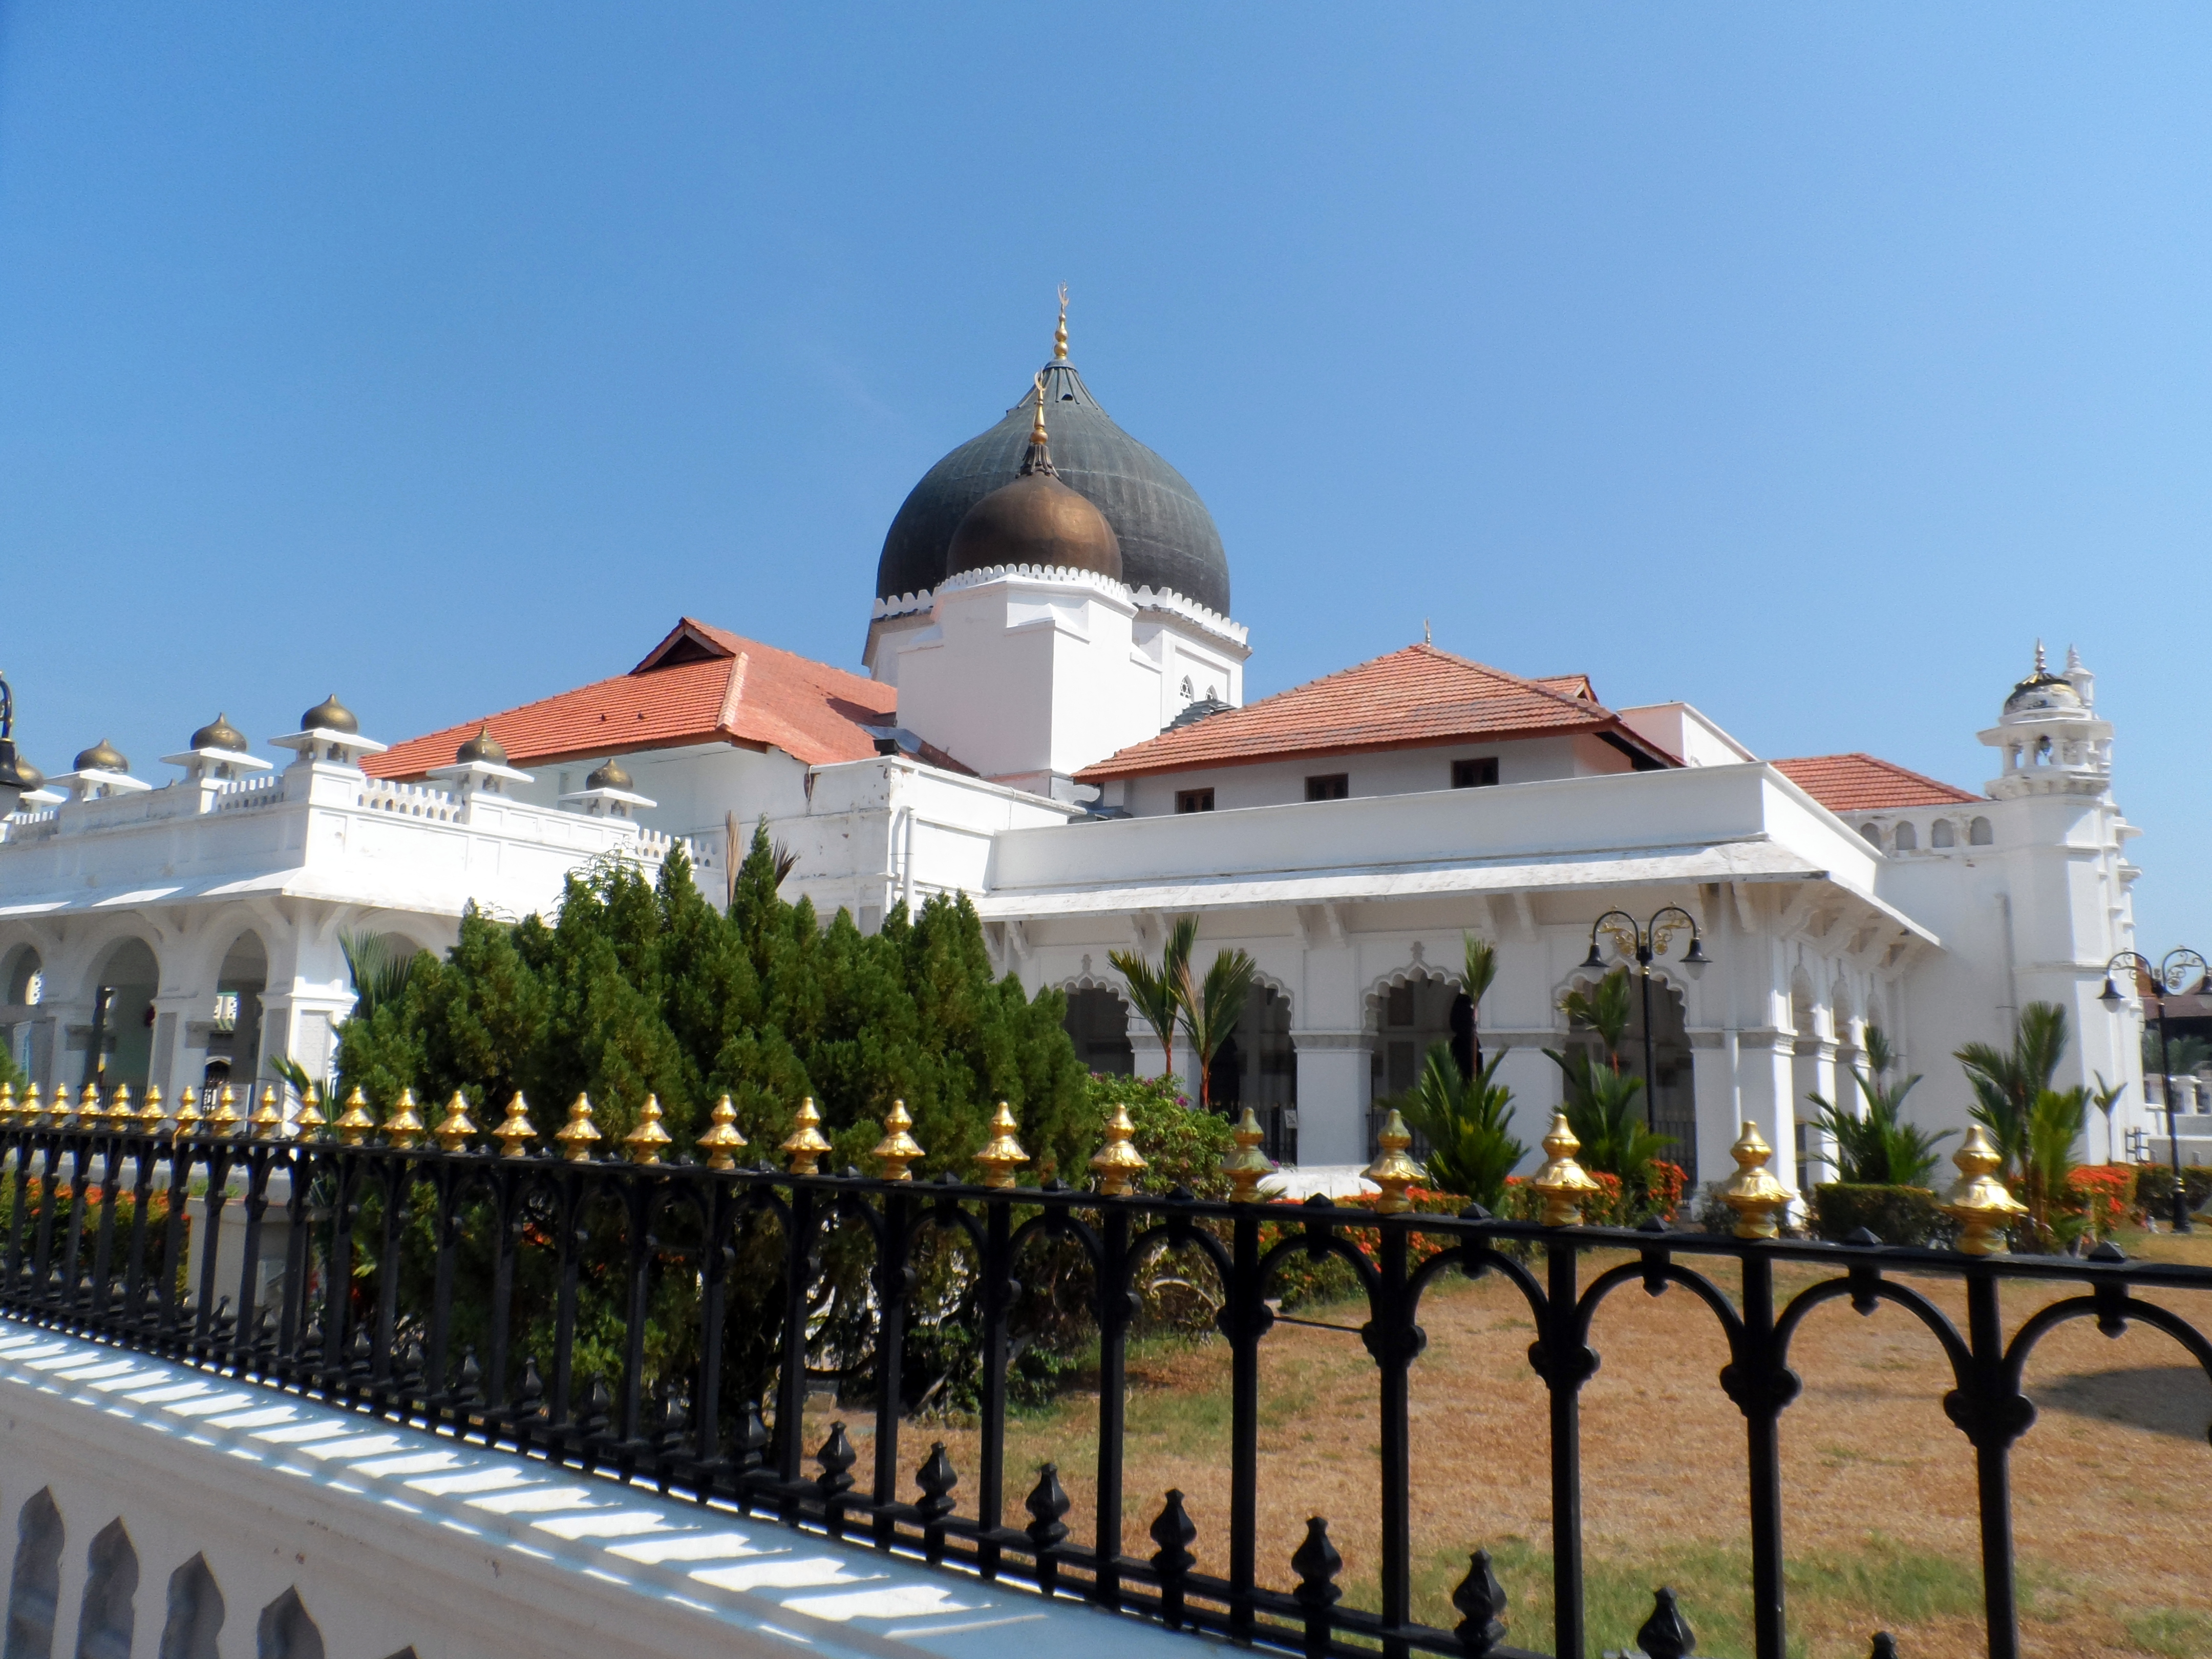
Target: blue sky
{"type": "Point", "coordinates": [1804, 363]}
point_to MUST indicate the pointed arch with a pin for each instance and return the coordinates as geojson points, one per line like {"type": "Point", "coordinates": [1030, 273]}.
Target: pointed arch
{"type": "Point", "coordinates": [35, 1586]}
{"type": "Point", "coordinates": [107, 1615]}
{"type": "Point", "coordinates": [195, 1613]}
{"type": "Point", "coordinates": [285, 1631]}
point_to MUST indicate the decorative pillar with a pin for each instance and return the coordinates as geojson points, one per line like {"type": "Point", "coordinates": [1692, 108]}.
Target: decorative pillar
{"type": "Point", "coordinates": [1332, 1095]}
{"type": "Point", "coordinates": [1766, 1063]}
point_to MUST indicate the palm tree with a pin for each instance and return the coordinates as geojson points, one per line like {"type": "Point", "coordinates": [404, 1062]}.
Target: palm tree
{"type": "Point", "coordinates": [2106, 1096]}
{"type": "Point", "coordinates": [2007, 1081]}
{"type": "Point", "coordinates": [1481, 971]}
{"type": "Point", "coordinates": [1600, 1098]}
{"type": "Point", "coordinates": [1466, 1121]}
{"type": "Point", "coordinates": [1158, 991]}
{"type": "Point", "coordinates": [2055, 1123]}
{"type": "Point", "coordinates": [380, 971]}
{"type": "Point", "coordinates": [1879, 1148]}
{"type": "Point", "coordinates": [1211, 1013]}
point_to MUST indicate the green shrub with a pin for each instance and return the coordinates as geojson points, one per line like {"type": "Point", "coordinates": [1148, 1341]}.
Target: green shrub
{"type": "Point", "coordinates": [1181, 1146]}
{"type": "Point", "coordinates": [2155, 1189]}
{"type": "Point", "coordinates": [1895, 1215]}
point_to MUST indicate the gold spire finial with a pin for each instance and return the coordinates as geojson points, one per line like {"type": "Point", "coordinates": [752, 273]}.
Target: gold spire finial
{"type": "Point", "coordinates": [646, 1140]}
{"type": "Point", "coordinates": [1037, 434]}
{"type": "Point", "coordinates": [1979, 1203]}
{"type": "Point", "coordinates": [7, 1102]}
{"type": "Point", "coordinates": [577, 1134]}
{"type": "Point", "coordinates": [223, 1121]}
{"type": "Point", "coordinates": [404, 1127]}
{"type": "Point", "coordinates": [897, 1149]}
{"type": "Point", "coordinates": [1059, 334]}
{"type": "Point", "coordinates": [1564, 1183]}
{"type": "Point", "coordinates": [354, 1125]}
{"type": "Point", "coordinates": [722, 1141]}
{"type": "Point", "coordinates": [119, 1109]}
{"type": "Point", "coordinates": [454, 1128]}
{"type": "Point", "coordinates": [2038, 656]}
{"type": "Point", "coordinates": [1002, 1152]}
{"type": "Point", "coordinates": [267, 1122]}
{"type": "Point", "coordinates": [151, 1114]}
{"type": "Point", "coordinates": [805, 1143]}
{"type": "Point", "coordinates": [1392, 1170]}
{"type": "Point", "coordinates": [1752, 1192]}
{"type": "Point", "coordinates": [310, 1123]}
{"type": "Point", "coordinates": [188, 1111]}
{"type": "Point", "coordinates": [1248, 1166]}
{"type": "Point", "coordinates": [514, 1132]}
{"type": "Point", "coordinates": [1118, 1163]}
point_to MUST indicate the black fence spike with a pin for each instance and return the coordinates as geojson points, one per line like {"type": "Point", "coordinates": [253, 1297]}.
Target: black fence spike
{"type": "Point", "coordinates": [937, 1480]}
{"type": "Point", "coordinates": [1864, 1237]}
{"type": "Point", "coordinates": [1666, 1634]}
{"type": "Point", "coordinates": [1480, 1599]}
{"type": "Point", "coordinates": [1047, 1501]}
{"type": "Point", "coordinates": [1884, 1646]}
{"type": "Point", "coordinates": [1316, 1563]}
{"type": "Point", "coordinates": [1174, 1532]}
{"type": "Point", "coordinates": [753, 1437]}
{"type": "Point", "coordinates": [835, 1459]}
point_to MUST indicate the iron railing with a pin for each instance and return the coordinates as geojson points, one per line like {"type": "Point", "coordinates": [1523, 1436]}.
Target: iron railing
{"type": "Point", "coordinates": [114, 1269]}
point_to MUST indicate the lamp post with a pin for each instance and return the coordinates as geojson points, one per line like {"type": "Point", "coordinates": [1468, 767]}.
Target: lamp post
{"type": "Point", "coordinates": [16, 776]}
{"type": "Point", "coordinates": [1646, 944]}
{"type": "Point", "coordinates": [2175, 969]}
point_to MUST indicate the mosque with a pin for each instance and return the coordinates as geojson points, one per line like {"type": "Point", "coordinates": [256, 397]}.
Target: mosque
{"type": "Point", "coordinates": [1053, 721]}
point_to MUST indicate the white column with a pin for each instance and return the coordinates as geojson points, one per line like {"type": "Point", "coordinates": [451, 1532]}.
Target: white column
{"type": "Point", "coordinates": [1713, 1060]}
{"type": "Point", "coordinates": [1332, 1095]}
{"type": "Point", "coordinates": [1766, 1061]}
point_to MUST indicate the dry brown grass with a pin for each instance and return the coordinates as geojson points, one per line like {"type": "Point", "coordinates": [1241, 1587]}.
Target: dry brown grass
{"type": "Point", "coordinates": [2112, 1486]}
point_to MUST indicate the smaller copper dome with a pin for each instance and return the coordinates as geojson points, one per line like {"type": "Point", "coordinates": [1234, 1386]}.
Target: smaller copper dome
{"type": "Point", "coordinates": [222, 734]}
{"type": "Point", "coordinates": [1036, 519]}
{"type": "Point", "coordinates": [102, 756]}
{"type": "Point", "coordinates": [29, 776]}
{"type": "Point", "coordinates": [482, 747]}
{"type": "Point", "coordinates": [331, 715]}
{"type": "Point", "coordinates": [610, 776]}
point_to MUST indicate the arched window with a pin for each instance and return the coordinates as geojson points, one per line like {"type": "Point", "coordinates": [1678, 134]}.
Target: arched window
{"type": "Point", "coordinates": [1908, 838]}
{"type": "Point", "coordinates": [106, 1618]}
{"type": "Point", "coordinates": [1188, 694]}
{"type": "Point", "coordinates": [1872, 832]}
{"type": "Point", "coordinates": [1979, 834]}
{"type": "Point", "coordinates": [1942, 834]}
{"type": "Point", "coordinates": [195, 1617]}
{"type": "Point", "coordinates": [1099, 1024]}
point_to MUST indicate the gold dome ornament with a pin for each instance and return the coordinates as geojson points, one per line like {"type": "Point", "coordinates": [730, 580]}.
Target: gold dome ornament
{"type": "Point", "coordinates": [1002, 1154]}
{"type": "Point", "coordinates": [87, 1107]}
{"type": "Point", "coordinates": [405, 1126]}
{"type": "Point", "coordinates": [1117, 1161]}
{"type": "Point", "coordinates": [188, 1112]}
{"type": "Point", "coordinates": [223, 1121]}
{"type": "Point", "coordinates": [356, 1123]}
{"type": "Point", "coordinates": [805, 1145]}
{"type": "Point", "coordinates": [897, 1148]}
{"type": "Point", "coordinates": [268, 1120]}
{"type": "Point", "coordinates": [118, 1114]}
{"type": "Point", "coordinates": [1565, 1185]}
{"type": "Point", "coordinates": [150, 1116]}
{"type": "Point", "coordinates": [1247, 1166]}
{"type": "Point", "coordinates": [722, 1142]}
{"type": "Point", "coordinates": [454, 1128]}
{"type": "Point", "coordinates": [6, 1104]}
{"type": "Point", "coordinates": [309, 1123]}
{"type": "Point", "coordinates": [646, 1140]}
{"type": "Point", "coordinates": [1979, 1203]}
{"type": "Point", "coordinates": [1392, 1170]}
{"type": "Point", "coordinates": [576, 1135]}
{"type": "Point", "coordinates": [1752, 1192]}
{"type": "Point", "coordinates": [515, 1131]}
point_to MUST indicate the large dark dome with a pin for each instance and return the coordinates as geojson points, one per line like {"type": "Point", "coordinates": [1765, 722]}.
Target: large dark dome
{"type": "Point", "coordinates": [1167, 537]}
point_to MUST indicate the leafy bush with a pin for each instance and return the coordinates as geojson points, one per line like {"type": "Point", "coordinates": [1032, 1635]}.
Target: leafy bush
{"type": "Point", "coordinates": [2155, 1189]}
{"type": "Point", "coordinates": [1895, 1215]}
{"type": "Point", "coordinates": [2104, 1194]}
{"type": "Point", "coordinates": [1469, 1124]}
{"type": "Point", "coordinates": [1304, 1281]}
{"type": "Point", "coordinates": [1881, 1149]}
{"type": "Point", "coordinates": [1181, 1146]}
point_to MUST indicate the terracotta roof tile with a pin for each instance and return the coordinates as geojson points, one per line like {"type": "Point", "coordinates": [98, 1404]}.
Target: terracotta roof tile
{"type": "Point", "coordinates": [1861, 783]}
{"type": "Point", "coordinates": [701, 684]}
{"type": "Point", "coordinates": [1418, 696]}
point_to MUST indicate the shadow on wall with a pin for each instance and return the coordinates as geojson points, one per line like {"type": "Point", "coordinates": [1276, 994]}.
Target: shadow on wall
{"type": "Point", "coordinates": [108, 1616]}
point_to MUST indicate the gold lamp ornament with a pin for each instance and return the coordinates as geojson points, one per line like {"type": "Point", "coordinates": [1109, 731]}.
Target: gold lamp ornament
{"type": "Point", "coordinates": [405, 1126]}
{"type": "Point", "coordinates": [1117, 1161]}
{"type": "Point", "coordinates": [454, 1128]}
{"type": "Point", "coordinates": [356, 1124]}
{"type": "Point", "coordinates": [722, 1142]}
{"type": "Point", "coordinates": [515, 1133]}
{"type": "Point", "coordinates": [268, 1120]}
{"type": "Point", "coordinates": [1752, 1192]}
{"type": "Point", "coordinates": [1392, 1169]}
{"type": "Point", "coordinates": [1247, 1166]}
{"type": "Point", "coordinates": [1979, 1203]}
{"type": "Point", "coordinates": [577, 1134]}
{"type": "Point", "coordinates": [645, 1141]}
{"type": "Point", "coordinates": [1565, 1185]}
{"type": "Point", "coordinates": [805, 1145]}
{"type": "Point", "coordinates": [1002, 1154]}
{"type": "Point", "coordinates": [898, 1147]}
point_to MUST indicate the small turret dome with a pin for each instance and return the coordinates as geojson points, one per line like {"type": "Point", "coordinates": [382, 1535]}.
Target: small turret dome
{"type": "Point", "coordinates": [29, 775]}
{"type": "Point", "coordinates": [482, 747]}
{"type": "Point", "coordinates": [1036, 520]}
{"type": "Point", "coordinates": [102, 756]}
{"type": "Point", "coordinates": [609, 776]}
{"type": "Point", "coordinates": [331, 715]}
{"type": "Point", "coordinates": [2043, 690]}
{"type": "Point", "coordinates": [220, 734]}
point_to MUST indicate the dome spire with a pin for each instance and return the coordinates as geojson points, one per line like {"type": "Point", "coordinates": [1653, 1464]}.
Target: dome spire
{"type": "Point", "coordinates": [1059, 334]}
{"type": "Point", "coordinates": [1039, 457]}
{"type": "Point", "coordinates": [2040, 668]}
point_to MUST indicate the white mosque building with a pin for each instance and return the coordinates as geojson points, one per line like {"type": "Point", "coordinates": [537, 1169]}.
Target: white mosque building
{"type": "Point", "coordinates": [1053, 722]}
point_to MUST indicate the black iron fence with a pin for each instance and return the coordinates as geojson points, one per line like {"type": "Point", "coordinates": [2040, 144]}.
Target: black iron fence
{"type": "Point", "coordinates": [417, 1283]}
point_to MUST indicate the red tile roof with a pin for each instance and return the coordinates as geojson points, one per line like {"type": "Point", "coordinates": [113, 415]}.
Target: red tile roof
{"type": "Point", "coordinates": [1572, 685]}
{"type": "Point", "coordinates": [1860, 783]}
{"type": "Point", "coordinates": [699, 685]}
{"type": "Point", "coordinates": [1411, 698]}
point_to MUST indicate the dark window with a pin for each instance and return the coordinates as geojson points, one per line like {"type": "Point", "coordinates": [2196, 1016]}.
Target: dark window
{"type": "Point", "coordinates": [1194, 800]}
{"type": "Point", "coordinates": [1335, 787]}
{"type": "Point", "coordinates": [1475, 774]}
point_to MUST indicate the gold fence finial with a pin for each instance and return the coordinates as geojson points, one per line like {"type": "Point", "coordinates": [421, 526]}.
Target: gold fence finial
{"type": "Point", "coordinates": [310, 1123]}
{"type": "Point", "coordinates": [805, 1145]}
{"type": "Point", "coordinates": [188, 1111]}
{"type": "Point", "coordinates": [268, 1120]}
{"type": "Point", "coordinates": [722, 1142]}
{"type": "Point", "coordinates": [1247, 1166]}
{"type": "Point", "coordinates": [1752, 1192]}
{"type": "Point", "coordinates": [151, 1114]}
{"type": "Point", "coordinates": [1565, 1185]}
{"type": "Point", "coordinates": [577, 1134]}
{"type": "Point", "coordinates": [898, 1147]}
{"type": "Point", "coordinates": [1979, 1203]}
{"type": "Point", "coordinates": [516, 1132]}
{"type": "Point", "coordinates": [7, 1102]}
{"type": "Point", "coordinates": [223, 1121]}
{"type": "Point", "coordinates": [87, 1107]}
{"type": "Point", "coordinates": [645, 1141]}
{"type": "Point", "coordinates": [404, 1127]}
{"type": "Point", "coordinates": [356, 1123]}
{"type": "Point", "coordinates": [454, 1128]}
{"type": "Point", "coordinates": [33, 1107]}
{"type": "Point", "coordinates": [1117, 1161]}
{"type": "Point", "coordinates": [1392, 1170]}
{"type": "Point", "coordinates": [1002, 1154]}
{"type": "Point", "coordinates": [119, 1109]}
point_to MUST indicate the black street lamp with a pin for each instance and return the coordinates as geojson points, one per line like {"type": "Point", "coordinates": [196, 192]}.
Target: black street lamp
{"type": "Point", "coordinates": [17, 776]}
{"type": "Point", "coordinates": [2175, 969]}
{"type": "Point", "coordinates": [1645, 944]}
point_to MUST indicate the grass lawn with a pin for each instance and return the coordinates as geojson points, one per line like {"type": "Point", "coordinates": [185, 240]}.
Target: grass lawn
{"type": "Point", "coordinates": [2112, 1486]}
